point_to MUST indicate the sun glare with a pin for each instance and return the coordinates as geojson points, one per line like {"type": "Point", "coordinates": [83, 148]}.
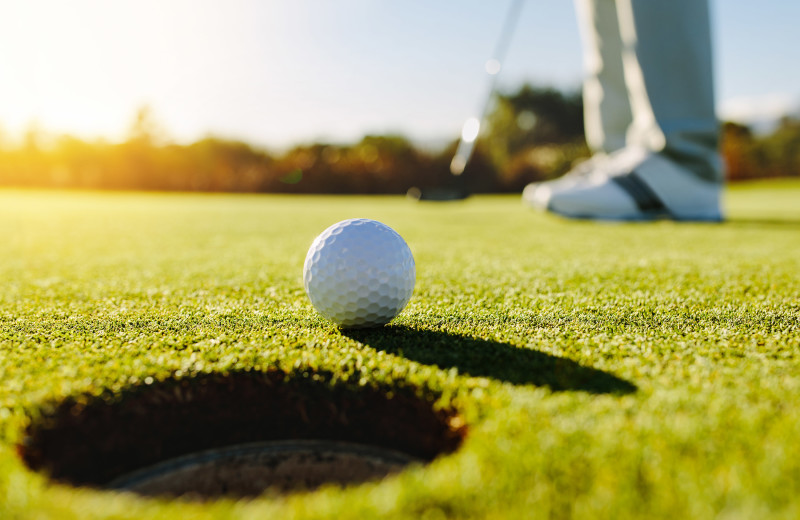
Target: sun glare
{"type": "Point", "coordinates": [85, 67]}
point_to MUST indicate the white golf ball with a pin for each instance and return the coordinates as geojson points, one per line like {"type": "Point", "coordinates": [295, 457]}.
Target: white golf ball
{"type": "Point", "coordinates": [359, 273]}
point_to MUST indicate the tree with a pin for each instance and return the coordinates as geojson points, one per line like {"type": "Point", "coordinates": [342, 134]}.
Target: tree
{"type": "Point", "coordinates": [535, 133]}
{"type": "Point", "coordinates": [145, 129]}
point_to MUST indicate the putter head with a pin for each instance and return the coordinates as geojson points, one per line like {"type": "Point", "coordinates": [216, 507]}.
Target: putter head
{"type": "Point", "coordinates": [437, 194]}
{"type": "Point", "coordinates": [454, 189]}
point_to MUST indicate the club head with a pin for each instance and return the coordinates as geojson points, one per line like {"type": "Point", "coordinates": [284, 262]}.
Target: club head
{"type": "Point", "coordinates": [437, 194]}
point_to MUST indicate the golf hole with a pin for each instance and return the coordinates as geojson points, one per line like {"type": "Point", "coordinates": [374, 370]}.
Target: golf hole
{"type": "Point", "coordinates": [237, 435]}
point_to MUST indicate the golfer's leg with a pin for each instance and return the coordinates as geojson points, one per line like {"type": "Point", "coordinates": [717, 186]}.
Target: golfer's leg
{"type": "Point", "coordinates": [668, 71]}
{"type": "Point", "coordinates": [607, 110]}
{"type": "Point", "coordinates": [669, 166]}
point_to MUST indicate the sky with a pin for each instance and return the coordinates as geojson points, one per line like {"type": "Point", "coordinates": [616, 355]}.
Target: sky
{"type": "Point", "coordinates": [281, 72]}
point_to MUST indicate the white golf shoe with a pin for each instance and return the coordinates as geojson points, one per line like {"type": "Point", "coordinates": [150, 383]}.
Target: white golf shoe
{"type": "Point", "coordinates": [537, 194]}
{"type": "Point", "coordinates": [633, 184]}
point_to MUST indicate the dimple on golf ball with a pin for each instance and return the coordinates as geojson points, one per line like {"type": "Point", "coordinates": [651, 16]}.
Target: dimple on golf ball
{"type": "Point", "coordinates": [359, 273]}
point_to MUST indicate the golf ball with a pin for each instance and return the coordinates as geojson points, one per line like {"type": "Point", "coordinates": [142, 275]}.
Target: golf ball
{"type": "Point", "coordinates": [359, 273]}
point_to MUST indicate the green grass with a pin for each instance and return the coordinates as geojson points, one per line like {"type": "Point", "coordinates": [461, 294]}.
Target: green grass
{"type": "Point", "coordinates": [604, 370]}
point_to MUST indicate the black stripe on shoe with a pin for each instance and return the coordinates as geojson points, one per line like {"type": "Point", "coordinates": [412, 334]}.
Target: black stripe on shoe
{"type": "Point", "coordinates": [644, 197]}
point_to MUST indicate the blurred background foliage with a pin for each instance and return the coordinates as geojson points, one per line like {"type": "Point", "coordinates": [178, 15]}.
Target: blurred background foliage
{"type": "Point", "coordinates": [532, 134]}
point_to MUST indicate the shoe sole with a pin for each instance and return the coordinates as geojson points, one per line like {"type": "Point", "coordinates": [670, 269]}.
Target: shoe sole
{"type": "Point", "coordinates": [642, 217]}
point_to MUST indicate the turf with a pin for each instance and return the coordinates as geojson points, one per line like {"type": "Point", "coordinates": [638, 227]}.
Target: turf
{"type": "Point", "coordinates": [601, 371]}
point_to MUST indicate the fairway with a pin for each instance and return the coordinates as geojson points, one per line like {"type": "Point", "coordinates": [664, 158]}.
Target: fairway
{"type": "Point", "coordinates": [581, 370]}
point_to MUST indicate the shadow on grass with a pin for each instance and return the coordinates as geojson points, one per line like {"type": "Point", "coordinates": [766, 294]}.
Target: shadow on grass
{"type": "Point", "coordinates": [780, 223]}
{"type": "Point", "coordinates": [483, 358]}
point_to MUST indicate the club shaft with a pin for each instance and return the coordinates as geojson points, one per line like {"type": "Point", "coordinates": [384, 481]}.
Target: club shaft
{"type": "Point", "coordinates": [465, 147]}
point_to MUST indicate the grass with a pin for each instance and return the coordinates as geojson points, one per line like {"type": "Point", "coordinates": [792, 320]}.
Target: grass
{"type": "Point", "coordinates": [604, 371]}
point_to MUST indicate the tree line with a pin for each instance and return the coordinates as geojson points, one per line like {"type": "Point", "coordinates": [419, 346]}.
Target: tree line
{"type": "Point", "coordinates": [532, 134]}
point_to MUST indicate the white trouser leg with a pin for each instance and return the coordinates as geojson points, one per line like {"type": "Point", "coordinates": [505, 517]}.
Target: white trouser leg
{"type": "Point", "coordinates": [607, 110]}
{"type": "Point", "coordinates": [667, 63]}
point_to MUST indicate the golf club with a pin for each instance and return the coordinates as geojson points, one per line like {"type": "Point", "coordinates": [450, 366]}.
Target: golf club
{"type": "Point", "coordinates": [471, 128]}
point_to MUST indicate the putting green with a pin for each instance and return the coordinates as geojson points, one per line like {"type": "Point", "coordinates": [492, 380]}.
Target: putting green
{"type": "Point", "coordinates": [577, 369]}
